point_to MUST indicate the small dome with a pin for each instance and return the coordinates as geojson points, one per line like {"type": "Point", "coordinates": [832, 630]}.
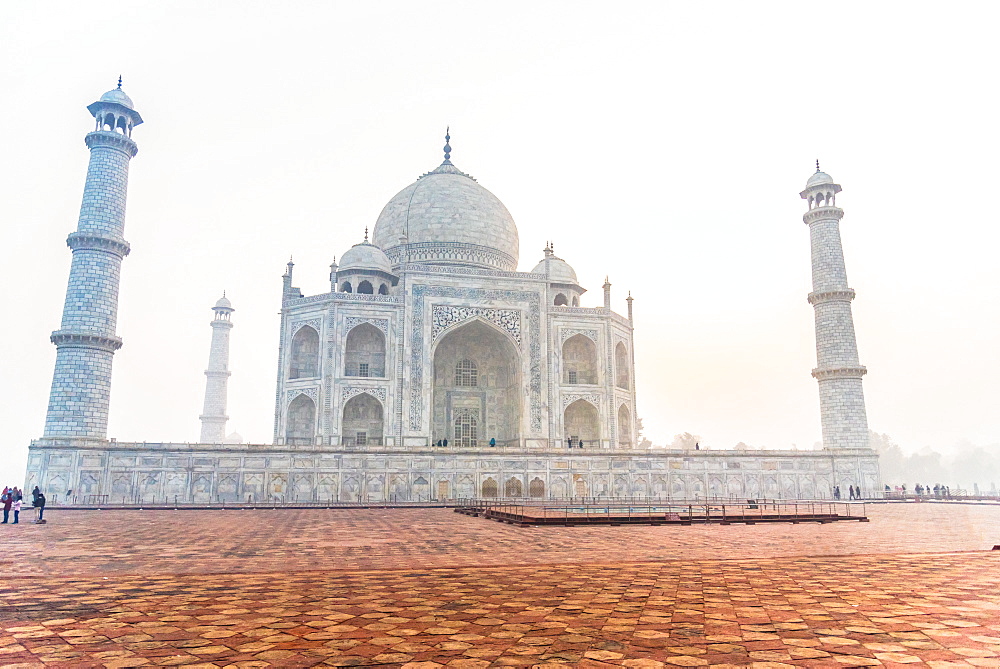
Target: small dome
{"type": "Point", "coordinates": [559, 270]}
{"type": "Point", "coordinates": [118, 96]}
{"type": "Point", "coordinates": [819, 179]}
{"type": "Point", "coordinates": [223, 303]}
{"type": "Point", "coordinates": [365, 256]}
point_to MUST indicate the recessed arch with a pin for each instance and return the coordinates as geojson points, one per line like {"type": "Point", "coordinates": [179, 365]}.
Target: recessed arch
{"type": "Point", "coordinates": [477, 377]}
{"type": "Point", "coordinates": [624, 427]}
{"type": "Point", "coordinates": [622, 375]}
{"type": "Point", "coordinates": [513, 488]}
{"type": "Point", "coordinates": [364, 352]}
{"type": "Point", "coordinates": [346, 287]}
{"type": "Point", "coordinates": [300, 421]}
{"type": "Point", "coordinates": [362, 422]}
{"type": "Point", "coordinates": [560, 300]}
{"type": "Point", "coordinates": [576, 301]}
{"type": "Point", "coordinates": [383, 289]}
{"type": "Point", "coordinates": [304, 363]}
{"type": "Point", "coordinates": [582, 422]}
{"type": "Point", "coordinates": [579, 360]}
{"type": "Point", "coordinates": [490, 488]}
{"type": "Point", "coordinates": [536, 488]}
{"type": "Point", "coordinates": [366, 288]}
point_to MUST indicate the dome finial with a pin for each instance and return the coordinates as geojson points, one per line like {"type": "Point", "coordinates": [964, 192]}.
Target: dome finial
{"type": "Point", "coordinates": [366, 234]}
{"type": "Point", "coordinates": [447, 145]}
{"type": "Point", "coordinates": [119, 82]}
{"type": "Point", "coordinates": [817, 164]}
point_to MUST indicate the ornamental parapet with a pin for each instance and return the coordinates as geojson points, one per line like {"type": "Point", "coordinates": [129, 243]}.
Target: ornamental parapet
{"type": "Point", "coordinates": [823, 214]}
{"type": "Point", "coordinates": [843, 295]}
{"type": "Point", "coordinates": [91, 242]}
{"type": "Point", "coordinates": [854, 372]}
{"type": "Point", "coordinates": [112, 140]}
{"type": "Point", "coordinates": [221, 373]}
{"type": "Point", "coordinates": [69, 339]}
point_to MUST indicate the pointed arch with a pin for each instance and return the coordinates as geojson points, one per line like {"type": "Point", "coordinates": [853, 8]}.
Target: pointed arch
{"type": "Point", "coordinates": [364, 352]}
{"type": "Point", "coordinates": [363, 421]}
{"type": "Point", "coordinates": [477, 393]}
{"type": "Point", "coordinates": [304, 363]}
{"type": "Point", "coordinates": [560, 300]}
{"type": "Point", "coordinates": [346, 287]}
{"type": "Point", "coordinates": [300, 420]}
{"type": "Point", "coordinates": [622, 372]}
{"type": "Point", "coordinates": [624, 427]}
{"type": "Point", "coordinates": [490, 488]}
{"type": "Point", "coordinates": [536, 488]}
{"type": "Point", "coordinates": [579, 360]}
{"type": "Point", "coordinates": [366, 288]}
{"type": "Point", "coordinates": [581, 421]}
{"type": "Point", "coordinates": [513, 488]}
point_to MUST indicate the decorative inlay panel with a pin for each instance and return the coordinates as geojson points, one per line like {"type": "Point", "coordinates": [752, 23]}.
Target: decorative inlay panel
{"type": "Point", "coordinates": [569, 332]}
{"type": "Point", "coordinates": [311, 393]}
{"type": "Point", "coordinates": [314, 323]}
{"type": "Point", "coordinates": [348, 392]}
{"type": "Point", "coordinates": [593, 398]}
{"type": "Point", "coordinates": [353, 321]}
{"type": "Point", "coordinates": [443, 316]}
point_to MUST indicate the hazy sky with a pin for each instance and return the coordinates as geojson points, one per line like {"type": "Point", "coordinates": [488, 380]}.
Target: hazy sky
{"type": "Point", "coordinates": [663, 144]}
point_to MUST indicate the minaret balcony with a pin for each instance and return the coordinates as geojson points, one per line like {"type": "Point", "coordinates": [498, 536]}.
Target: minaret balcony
{"type": "Point", "coordinates": [852, 372]}
{"type": "Point", "coordinates": [821, 297]}
{"type": "Point", "coordinates": [823, 214]}
{"type": "Point", "coordinates": [114, 140]}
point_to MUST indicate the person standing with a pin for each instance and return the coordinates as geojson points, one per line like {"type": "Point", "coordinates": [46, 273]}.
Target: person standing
{"type": "Point", "coordinates": [17, 509]}
{"type": "Point", "coordinates": [39, 504]}
{"type": "Point", "coordinates": [7, 498]}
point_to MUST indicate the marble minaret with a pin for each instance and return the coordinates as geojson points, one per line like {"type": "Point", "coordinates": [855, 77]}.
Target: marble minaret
{"type": "Point", "coordinates": [213, 420]}
{"type": "Point", "coordinates": [86, 341]}
{"type": "Point", "coordinates": [838, 371]}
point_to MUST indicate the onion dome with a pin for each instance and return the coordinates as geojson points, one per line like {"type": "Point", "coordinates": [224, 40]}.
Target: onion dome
{"type": "Point", "coordinates": [224, 303]}
{"type": "Point", "coordinates": [365, 256]}
{"type": "Point", "coordinates": [558, 270]}
{"type": "Point", "coordinates": [118, 96]}
{"type": "Point", "coordinates": [446, 218]}
{"type": "Point", "coordinates": [818, 179]}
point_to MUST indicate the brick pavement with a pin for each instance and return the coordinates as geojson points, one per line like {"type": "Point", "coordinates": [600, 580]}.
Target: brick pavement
{"type": "Point", "coordinates": [429, 586]}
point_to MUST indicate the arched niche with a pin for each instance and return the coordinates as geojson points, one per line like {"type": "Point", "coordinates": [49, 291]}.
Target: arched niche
{"type": "Point", "coordinates": [560, 300]}
{"type": "Point", "coordinates": [513, 488]}
{"type": "Point", "coordinates": [477, 393]}
{"type": "Point", "coordinates": [364, 352]}
{"type": "Point", "coordinates": [624, 427]}
{"type": "Point", "coordinates": [622, 375]}
{"type": "Point", "coordinates": [582, 422]}
{"type": "Point", "coordinates": [300, 422]}
{"type": "Point", "coordinates": [579, 360]}
{"type": "Point", "coordinates": [490, 488]}
{"type": "Point", "coordinates": [366, 288]}
{"type": "Point", "coordinates": [346, 287]}
{"type": "Point", "coordinates": [363, 421]}
{"type": "Point", "coordinates": [383, 289]}
{"type": "Point", "coordinates": [304, 363]}
{"type": "Point", "coordinates": [536, 488]}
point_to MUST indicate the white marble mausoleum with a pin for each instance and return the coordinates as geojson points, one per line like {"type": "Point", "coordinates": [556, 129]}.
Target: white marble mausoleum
{"type": "Point", "coordinates": [431, 369]}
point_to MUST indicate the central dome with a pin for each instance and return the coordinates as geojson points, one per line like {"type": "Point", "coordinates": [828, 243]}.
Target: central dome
{"type": "Point", "coordinates": [446, 218]}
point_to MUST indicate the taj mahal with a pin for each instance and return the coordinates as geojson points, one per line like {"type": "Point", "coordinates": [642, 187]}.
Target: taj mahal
{"type": "Point", "coordinates": [433, 369]}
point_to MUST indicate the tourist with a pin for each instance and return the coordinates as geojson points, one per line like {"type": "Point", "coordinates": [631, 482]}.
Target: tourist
{"type": "Point", "coordinates": [493, 442]}
{"type": "Point", "coordinates": [17, 509]}
{"type": "Point", "coordinates": [850, 491]}
{"type": "Point", "coordinates": [17, 494]}
{"type": "Point", "coordinates": [39, 504]}
{"type": "Point", "coordinates": [7, 500]}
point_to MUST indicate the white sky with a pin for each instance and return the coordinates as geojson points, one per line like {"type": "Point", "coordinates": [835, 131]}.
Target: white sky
{"type": "Point", "coordinates": [661, 143]}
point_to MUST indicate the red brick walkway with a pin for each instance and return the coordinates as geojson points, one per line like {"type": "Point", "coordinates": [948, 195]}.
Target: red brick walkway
{"type": "Point", "coordinates": [300, 588]}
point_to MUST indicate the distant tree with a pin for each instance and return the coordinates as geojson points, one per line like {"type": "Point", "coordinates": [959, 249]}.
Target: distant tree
{"type": "Point", "coordinates": [741, 447]}
{"type": "Point", "coordinates": [643, 442]}
{"type": "Point", "coordinates": [685, 441]}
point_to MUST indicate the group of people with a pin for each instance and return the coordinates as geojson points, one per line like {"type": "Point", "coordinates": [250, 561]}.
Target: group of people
{"type": "Point", "coordinates": [938, 490]}
{"type": "Point", "coordinates": [11, 498]}
{"type": "Point", "coordinates": [854, 493]}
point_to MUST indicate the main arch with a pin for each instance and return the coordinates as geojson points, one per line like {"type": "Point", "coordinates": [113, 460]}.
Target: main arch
{"type": "Point", "coordinates": [477, 395]}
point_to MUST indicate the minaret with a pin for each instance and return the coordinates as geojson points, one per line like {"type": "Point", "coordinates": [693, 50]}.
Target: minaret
{"type": "Point", "coordinates": [607, 293]}
{"type": "Point", "coordinates": [86, 341]}
{"type": "Point", "coordinates": [841, 398]}
{"type": "Point", "coordinates": [213, 421]}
